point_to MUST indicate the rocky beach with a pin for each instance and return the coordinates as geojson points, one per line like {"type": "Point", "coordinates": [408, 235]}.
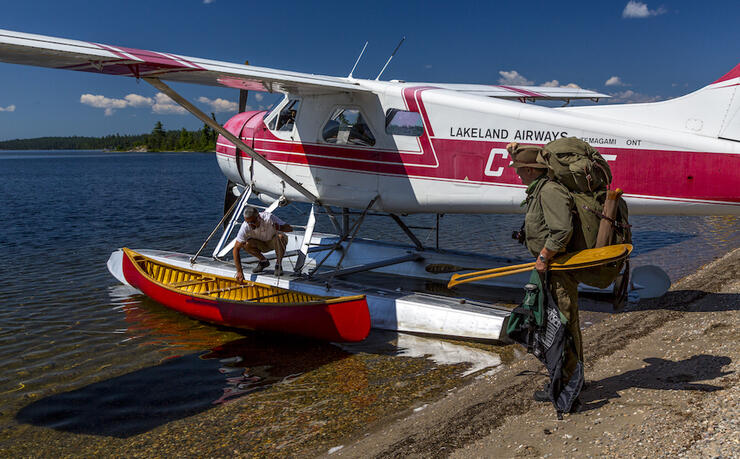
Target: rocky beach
{"type": "Point", "coordinates": [662, 382]}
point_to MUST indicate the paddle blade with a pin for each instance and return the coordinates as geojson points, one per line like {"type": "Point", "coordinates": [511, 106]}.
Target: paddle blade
{"type": "Point", "coordinates": [592, 257]}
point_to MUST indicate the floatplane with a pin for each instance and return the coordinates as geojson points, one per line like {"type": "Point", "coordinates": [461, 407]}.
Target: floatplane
{"type": "Point", "coordinates": [354, 147]}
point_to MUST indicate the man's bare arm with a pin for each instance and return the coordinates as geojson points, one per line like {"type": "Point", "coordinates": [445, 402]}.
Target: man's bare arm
{"type": "Point", "coordinates": [238, 261]}
{"type": "Point", "coordinates": [285, 228]}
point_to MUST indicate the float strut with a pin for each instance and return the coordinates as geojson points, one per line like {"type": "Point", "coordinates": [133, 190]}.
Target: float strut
{"type": "Point", "coordinates": [408, 232]}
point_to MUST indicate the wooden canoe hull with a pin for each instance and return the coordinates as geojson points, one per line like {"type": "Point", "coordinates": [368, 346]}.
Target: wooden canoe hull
{"type": "Point", "coordinates": [337, 320]}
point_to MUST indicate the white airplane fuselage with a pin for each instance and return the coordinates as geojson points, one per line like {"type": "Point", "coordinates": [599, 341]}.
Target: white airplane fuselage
{"type": "Point", "coordinates": [458, 164]}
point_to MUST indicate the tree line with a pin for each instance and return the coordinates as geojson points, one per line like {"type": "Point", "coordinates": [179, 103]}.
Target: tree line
{"type": "Point", "coordinates": [159, 139]}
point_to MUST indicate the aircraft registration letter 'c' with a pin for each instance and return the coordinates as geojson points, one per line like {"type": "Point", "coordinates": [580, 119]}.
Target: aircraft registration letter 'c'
{"type": "Point", "coordinates": [500, 170]}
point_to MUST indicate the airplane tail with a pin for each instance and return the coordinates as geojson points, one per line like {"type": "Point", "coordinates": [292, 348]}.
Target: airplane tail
{"type": "Point", "coordinates": [712, 111]}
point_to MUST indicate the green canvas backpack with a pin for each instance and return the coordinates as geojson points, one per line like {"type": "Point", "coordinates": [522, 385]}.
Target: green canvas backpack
{"type": "Point", "coordinates": [587, 176]}
{"type": "Point", "coordinates": [585, 173]}
{"type": "Point", "coordinates": [576, 164]}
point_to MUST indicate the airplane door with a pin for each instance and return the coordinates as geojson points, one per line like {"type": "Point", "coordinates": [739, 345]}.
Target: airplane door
{"type": "Point", "coordinates": [345, 164]}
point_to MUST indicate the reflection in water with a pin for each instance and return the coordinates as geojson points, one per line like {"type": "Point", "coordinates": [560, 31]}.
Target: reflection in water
{"type": "Point", "coordinates": [439, 352]}
{"type": "Point", "coordinates": [179, 387]}
{"type": "Point", "coordinates": [357, 375]}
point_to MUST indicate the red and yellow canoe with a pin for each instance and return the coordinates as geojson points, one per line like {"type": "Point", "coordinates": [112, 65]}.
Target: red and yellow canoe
{"type": "Point", "coordinates": [250, 305]}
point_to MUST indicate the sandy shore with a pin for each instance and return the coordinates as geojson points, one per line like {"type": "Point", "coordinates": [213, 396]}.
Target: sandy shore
{"type": "Point", "coordinates": [662, 382]}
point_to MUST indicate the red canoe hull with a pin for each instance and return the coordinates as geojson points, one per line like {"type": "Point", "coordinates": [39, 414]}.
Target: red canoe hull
{"type": "Point", "coordinates": [342, 321]}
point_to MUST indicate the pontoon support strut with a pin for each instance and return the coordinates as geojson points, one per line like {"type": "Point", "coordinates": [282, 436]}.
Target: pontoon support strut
{"type": "Point", "coordinates": [408, 232]}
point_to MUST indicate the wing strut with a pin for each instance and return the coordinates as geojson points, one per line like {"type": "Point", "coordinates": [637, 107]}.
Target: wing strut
{"type": "Point", "coordinates": [184, 103]}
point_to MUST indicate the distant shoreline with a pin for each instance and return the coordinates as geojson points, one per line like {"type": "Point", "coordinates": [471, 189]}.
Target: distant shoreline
{"type": "Point", "coordinates": [159, 140]}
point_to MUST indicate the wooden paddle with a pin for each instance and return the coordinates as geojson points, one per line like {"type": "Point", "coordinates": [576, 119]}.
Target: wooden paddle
{"type": "Point", "coordinates": [587, 258]}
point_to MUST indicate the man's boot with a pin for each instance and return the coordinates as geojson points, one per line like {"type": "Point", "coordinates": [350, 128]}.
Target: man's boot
{"type": "Point", "coordinates": [543, 395]}
{"type": "Point", "coordinates": [260, 266]}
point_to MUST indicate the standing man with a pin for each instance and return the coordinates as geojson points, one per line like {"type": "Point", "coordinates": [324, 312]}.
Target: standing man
{"type": "Point", "coordinates": [261, 232]}
{"type": "Point", "coordinates": [548, 228]}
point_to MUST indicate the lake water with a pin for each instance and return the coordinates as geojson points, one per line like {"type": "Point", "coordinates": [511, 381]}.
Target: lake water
{"type": "Point", "coordinates": [88, 368]}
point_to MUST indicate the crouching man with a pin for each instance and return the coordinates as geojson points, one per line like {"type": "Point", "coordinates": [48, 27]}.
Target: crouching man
{"type": "Point", "coordinates": [261, 232]}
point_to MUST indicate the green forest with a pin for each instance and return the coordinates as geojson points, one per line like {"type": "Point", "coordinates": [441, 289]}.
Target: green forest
{"type": "Point", "coordinates": [159, 139]}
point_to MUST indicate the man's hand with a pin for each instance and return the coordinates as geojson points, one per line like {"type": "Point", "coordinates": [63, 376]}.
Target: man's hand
{"type": "Point", "coordinates": [540, 265]}
{"type": "Point", "coordinates": [543, 260]}
{"type": "Point", "coordinates": [238, 261]}
{"type": "Point", "coordinates": [511, 147]}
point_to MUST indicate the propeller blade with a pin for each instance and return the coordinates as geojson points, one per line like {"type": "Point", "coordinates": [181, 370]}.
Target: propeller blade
{"type": "Point", "coordinates": [229, 199]}
{"type": "Point", "coordinates": [243, 93]}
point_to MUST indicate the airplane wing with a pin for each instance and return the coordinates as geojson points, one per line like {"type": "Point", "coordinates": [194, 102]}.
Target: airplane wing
{"type": "Point", "coordinates": [521, 92]}
{"type": "Point", "coordinates": [60, 53]}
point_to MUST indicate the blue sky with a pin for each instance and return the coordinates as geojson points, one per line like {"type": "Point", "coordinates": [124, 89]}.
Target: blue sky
{"type": "Point", "coordinates": [644, 50]}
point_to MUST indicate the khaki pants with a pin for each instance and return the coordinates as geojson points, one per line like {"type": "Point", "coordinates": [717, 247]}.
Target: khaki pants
{"type": "Point", "coordinates": [267, 246]}
{"type": "Point", "coordinates": [564, 289]}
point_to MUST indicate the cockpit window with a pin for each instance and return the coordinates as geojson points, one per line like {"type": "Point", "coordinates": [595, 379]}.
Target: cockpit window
{"type": "Point", "coordinates": [401, 122]}
{"type": "Point", "coordinates": [347, 126]}
{"type": "Point", "coordinates": [285, 121]}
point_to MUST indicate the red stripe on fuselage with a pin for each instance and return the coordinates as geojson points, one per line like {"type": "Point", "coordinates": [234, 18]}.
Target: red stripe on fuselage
{"type": "Point", "coordinates": [691, 175]}
{"type": "Point", "coordinates": [711, 176]}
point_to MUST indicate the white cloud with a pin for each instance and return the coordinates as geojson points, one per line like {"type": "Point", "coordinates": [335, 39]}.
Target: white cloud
{"type": "Point", "coordinates": [556, 84]}
{"type": "Point", "coordinates": [630, 96]}
{"type": "Point", "coordinates": [111, 105]}
{"type": "Point", "coordinates": [513, 77]}
{"type": "Point", "coordinates": [639, 10]}
{"type": "Point", "coordinates": [219, 105]}
{"type": "Point", "coordinates": [160, 104]}
{"type": "Point", "coordinates": [135, 100]}
{"type": "Point", "coordinates": [166, 106]}
{"type": "Point", "coordinates": [614, 81]}
{"type": "Point", "coordinates": [259, 96]}
{"type": "Point", "coordinates": [208, 2]}
{"type": "Point", "coordinates": [9, 108]}
{"type": "Point", "coordinates": [98, 101]}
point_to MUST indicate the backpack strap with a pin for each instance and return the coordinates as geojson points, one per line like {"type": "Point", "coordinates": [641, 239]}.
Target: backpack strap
{"type": "Point", "coordinates": [613, 221]}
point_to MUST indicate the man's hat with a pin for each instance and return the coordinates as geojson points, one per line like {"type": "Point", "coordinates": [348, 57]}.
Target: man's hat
{"type": "Point", "coordinates": [525, 156]}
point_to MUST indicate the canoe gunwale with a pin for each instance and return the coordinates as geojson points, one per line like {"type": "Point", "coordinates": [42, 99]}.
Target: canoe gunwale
{"type": "Point", "coordinates": [321, 300]}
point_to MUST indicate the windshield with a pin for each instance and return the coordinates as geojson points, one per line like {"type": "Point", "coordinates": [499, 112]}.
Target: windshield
{"type": "Point", "coordinates": [285, 121]}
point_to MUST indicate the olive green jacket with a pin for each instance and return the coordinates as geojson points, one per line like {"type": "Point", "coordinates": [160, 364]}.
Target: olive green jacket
{"type": "Point", "coordinates": [549, 219]}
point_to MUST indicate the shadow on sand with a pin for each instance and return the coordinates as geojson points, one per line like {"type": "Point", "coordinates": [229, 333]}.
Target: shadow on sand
{"type": "Point", "coordinates": [137, 402]}
{"type": "Point", "coordinates": [692, 301]}
{"type": "Point", "coordinates": [659, 374]}
{"type": "Point", "coordinates": [677, 300]}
